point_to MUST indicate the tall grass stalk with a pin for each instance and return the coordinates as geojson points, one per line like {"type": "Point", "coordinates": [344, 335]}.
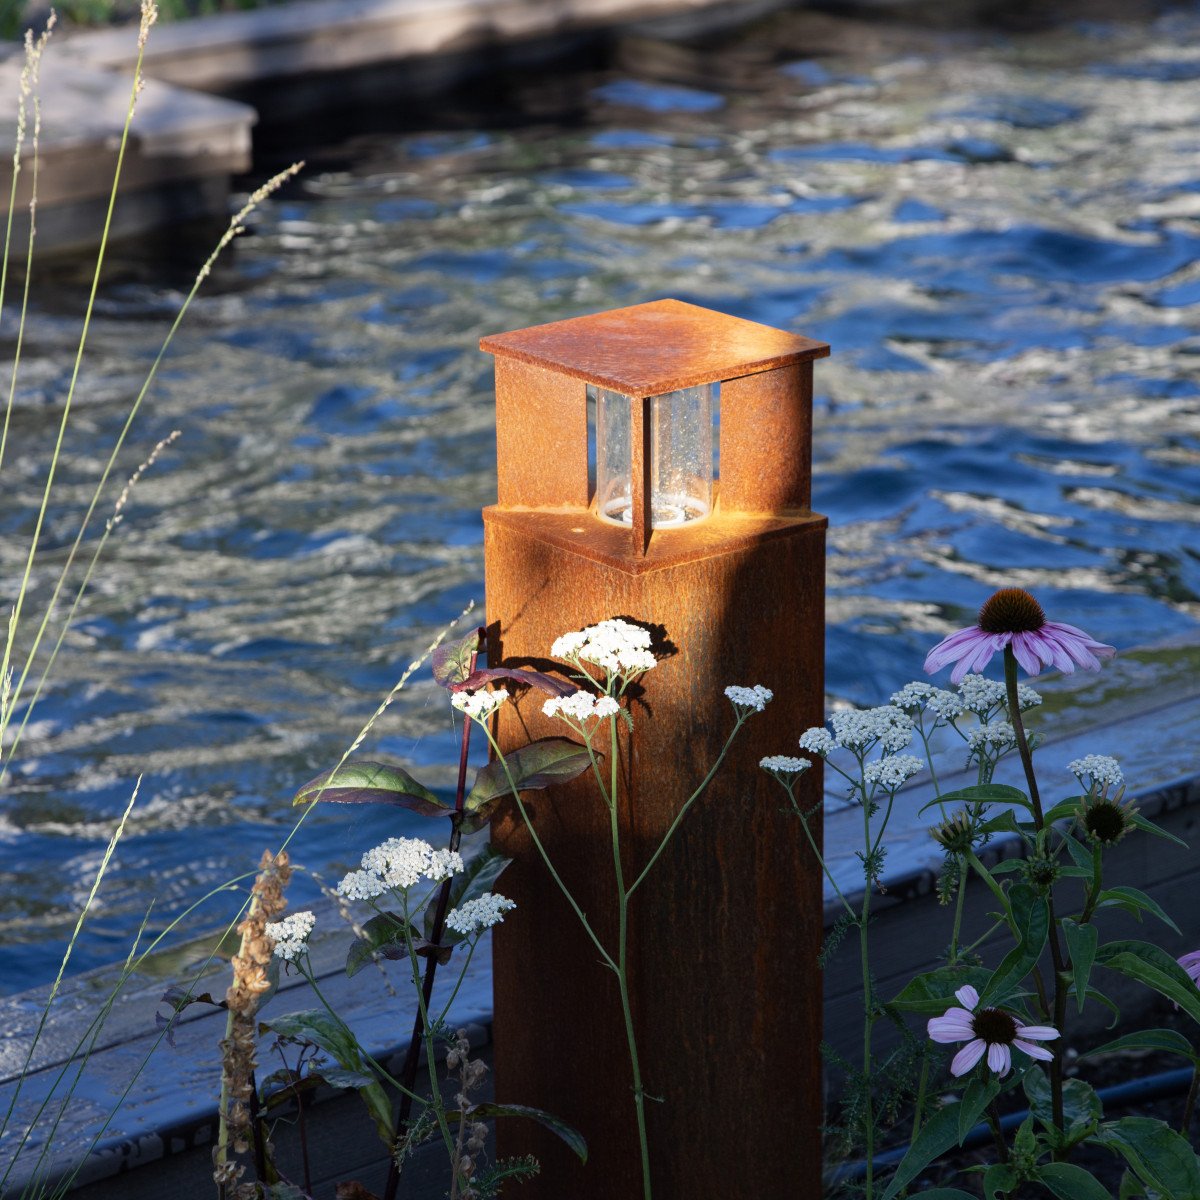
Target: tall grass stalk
{"type": "Point", "coordinates": [134, 961]}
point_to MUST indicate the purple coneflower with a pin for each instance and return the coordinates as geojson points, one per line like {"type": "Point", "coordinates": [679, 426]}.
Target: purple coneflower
{"type": "Point", "coordinates": [1191, 964]}
{"type": "Point", "coordinates": [1013, 616]}
{"type": "Point", "coordinates": [990, 1029]}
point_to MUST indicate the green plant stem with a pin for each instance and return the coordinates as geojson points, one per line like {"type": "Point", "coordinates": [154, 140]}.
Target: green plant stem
{"type": "Point", "coordinates": [959, 900]}
{"type": "Point", "coordinates": [821, 859]}
{"type": "Point", "coordinates": [687, 804]}
{"type": "Point", "coordinates": [1095, 887]}
{"type": "Point", "coordinates": [868, 1014]}
{"type": "Point", "coordinates": [922, 1086]}
{"type": "Point", "coordinates": [993, 1116]}
{"type": "Point", "coordinates": [411, 1059]}
{"type": "Point", "coordinates": [1189, 1105]}
{"type": "Point", "coordinates": [639, 1096]}
{"type": "Point", "coordinates": [1056, 954]}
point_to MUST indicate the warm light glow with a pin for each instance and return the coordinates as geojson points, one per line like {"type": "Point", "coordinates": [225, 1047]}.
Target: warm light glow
{"type": "Point", "coordinates": [680, 455]}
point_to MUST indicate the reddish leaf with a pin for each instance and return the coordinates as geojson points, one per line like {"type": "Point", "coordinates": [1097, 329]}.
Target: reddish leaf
{"type": "Point", "coordinates": [550, 684]}
{"type": "Point", "coordinates": [372, 783]}
{"type": "Point", "coordinates": [541, 764]}
{"type": "Point", "coordinates": [451, 661]}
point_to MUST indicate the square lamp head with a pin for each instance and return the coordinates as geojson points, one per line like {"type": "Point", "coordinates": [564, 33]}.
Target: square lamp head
{"type": "Point", "coordinates": [652, 371]}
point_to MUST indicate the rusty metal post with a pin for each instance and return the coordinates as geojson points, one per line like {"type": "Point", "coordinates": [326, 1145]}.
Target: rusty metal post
{"type": "Point", "coordinates": [725, 933]}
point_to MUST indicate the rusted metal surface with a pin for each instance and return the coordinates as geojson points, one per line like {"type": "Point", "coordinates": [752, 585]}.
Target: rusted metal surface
{"type": "Point", "coordinates": [651, 349]}
{"type": "Point", "coordinates": [725, 932]}
{"type": "Point", "coordinates": [541, 437]}
{"type": "Point", "coordinates": [766, 441]}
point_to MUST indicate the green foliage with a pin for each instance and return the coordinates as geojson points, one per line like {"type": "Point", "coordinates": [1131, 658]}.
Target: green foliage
{"type": "Point", "coordinates": [1162, 1160]}
{"type": "Point", "coordinates": [1155, 968]}
{"type": "Point", "coordinates": [477, 877]}
{"type": "Point", "coordinates": [1081, 946]}
{"type": "Point", "coordinates": [541, 764]}
{"type": "Point", "coordinates": [489, 1182]}
{"type": "Point", "coordinates": [321, 1028]}
{"type": "Point", "coordinates": [941, 1132]}
{"type": "Point", "coordinates": [372, 783]}
{"type": "Point", "coordinates": [487, 1111]}
{"type": "Point", "coordinates": [1069, 1182]}
{"type": "Point", "coordinates": [385, 937]}
{"type": "Point", "coordinates": [1031, 920]}
{"type": "Point", "coordinates": [1169, 1040]}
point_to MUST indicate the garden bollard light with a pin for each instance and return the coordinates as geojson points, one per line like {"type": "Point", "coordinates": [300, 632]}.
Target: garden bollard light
{"type": "Point", "coordinates": [725, 933]}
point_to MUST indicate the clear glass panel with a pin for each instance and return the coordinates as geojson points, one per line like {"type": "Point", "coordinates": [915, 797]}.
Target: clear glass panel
{"type": "Point", "coordinates": [681, 456]}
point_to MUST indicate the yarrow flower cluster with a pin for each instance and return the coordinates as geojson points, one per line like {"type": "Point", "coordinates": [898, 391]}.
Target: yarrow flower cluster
{"type": "Point", "coordinates": [479, 705]}
{"type": "Point", "coordinates": [918, 695]}
{"type": "Point", "coordinates": [756, 697]}
{"type": "Point", "coordinates": [399, 863]}
{"type": "Point", "coordinates": [619, 647]}
{"type": "Point", "coordinates": [819, 741]}
{"type": "Point", "coordinates": [1012, 617]}
{"type": "Point", "coordinates": [580, 707]}
{"type": "Point", "coordinates": [987, 1030]}
{"type": "Point", "coordinates": [983, 696]}
{"type": "Point", "coordinates": [291, 934]}
{"type": "Point", "coordinates": [1096, 772]}
{"type": "Point", "coordinates": [481, 913]}
{"type": "Point", "coordinates": [860, 729]}
{"type": "Point", "coordinates": [998, 736]}
{"type": "Point", "coordinates": [890, 772]}
{"type": "Point", "coordinates": [781, 764]}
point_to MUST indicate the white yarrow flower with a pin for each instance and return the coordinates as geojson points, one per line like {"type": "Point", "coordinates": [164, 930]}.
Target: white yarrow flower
{"type": "Point", "coordinates": [890, 772]}
{"type": "Point", "coordinates": [913, 695]}
{"type": "Point", "coordinates": [361, 885]}
{"type": "Point", "coordinates": [479, 705]}
{"type": "Point", "coordinates": [443, 864]}
{"type": "Point", "coordinates": [782, 764]}
{"type": "Point", "coordinates": [1101, 771]}
{"type": "Point", "coordinates": [999, 736]}
{"type": "Point", "coordinates": [399, 862]}
{"type": "Point", "coordinates": [619, 647]}
{"type": "Point", "coordinates": [756, 697]}
{"type": "Point", "coordinates": [581, 707]}
{"type": "Point", "coordinates": [859, 729]}
{"type": "Point", "coordinates": [291, 934]}
{"type": "Point", "coordinates": [945, 704]}
{"type": "Point", "coordinates": [980, 694]}
{"type": "Point", "coordinates": [479, 914]}
{"type": "Point", "coordinates": [818, 740]}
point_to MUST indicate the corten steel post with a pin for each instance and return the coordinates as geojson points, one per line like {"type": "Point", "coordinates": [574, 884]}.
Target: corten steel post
{"type": "Point", "coordinates": [724, 934]}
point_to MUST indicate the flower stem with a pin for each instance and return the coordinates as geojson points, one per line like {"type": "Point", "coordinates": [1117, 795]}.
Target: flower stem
{"type": "Point", "coordinates": [868, 1014]}
{"type": "Point", "coordinates": [958, 908]}
{"type": "Point", "coordinates": [1189, 1104]}
{"type": "Point", "coordinates": [1056, 953]}
{"type": "Point", "coordinates": [408, 1074]}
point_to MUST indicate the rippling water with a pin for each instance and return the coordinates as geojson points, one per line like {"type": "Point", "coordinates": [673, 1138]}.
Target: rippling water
{"type": "Point", "coordinates": [998, 232]}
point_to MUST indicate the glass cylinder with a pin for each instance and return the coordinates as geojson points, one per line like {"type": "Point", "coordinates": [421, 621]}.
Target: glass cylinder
{"type": "Point", "coordinates": [680, 454]}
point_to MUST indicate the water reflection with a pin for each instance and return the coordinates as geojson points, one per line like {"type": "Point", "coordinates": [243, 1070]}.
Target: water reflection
{"type": "Point", "coordinates": [1000, 237]}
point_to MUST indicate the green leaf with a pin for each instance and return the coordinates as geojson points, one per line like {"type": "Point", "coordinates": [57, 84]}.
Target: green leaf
{"type": "Point", "coordinates": [1155, 968]}
{"type": "Point", "coordinates": [932, 993]}
{"type": "Point", "coordinates": [1144, 823]}
{"type": "Point", "coordinates": [1081, 1106]}
{"type": "Point", "coordinates": [451, 661]}
{"type": "Point", "coordinates": [946, 1194]}
{"type": "Point", "coordinates": [541, 764]}
{"type": "Point", "coordinates": [331, 1035]}
{"type": "Point", "coordinates": [938, 1134]}
{"type": "Point", "coordinates": [481, 1112]}
{"type": "Point", "coordinates": [385, 937]}
{"type": "Point", "coordinates": [477, 877]}
{"type": "Point", "coordinates": [1156, 1154]}
{"type": "Point", "coordinates": [1131, 1188]}
{"type": "Point", "coordinates": [1169, 1040]}
{"type": "Point", "coordinates": [1080, 853]}
{"type": "Point", "coordinates": [968, 1105]}
{"type": "Point", "coordinates": [1069, 1182]}
{"type": "Point", "coordinates": [1063, 809]}
{"type": "Point", "coordinates": [372, 783]}
{"type": "Point", "coordinates": [341, 1077]}
{"type": "Point", "coordinates": [998, 1181]}
{"type": "Point", "coordinates": [1031, 918]}
{"type": "Point", "coordinates": [1101, 998]}
{"type": "Point", "coordinates": [1081, 945]}
{"type": "Point", "coordinates": [1003, 822]}
{"type": "Point", "coordinates": [1134, 901]}
{"type": "Point", "coordinates": [982, 793]}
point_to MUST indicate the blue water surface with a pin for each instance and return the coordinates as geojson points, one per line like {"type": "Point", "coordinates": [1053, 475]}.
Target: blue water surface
{"type": "Point", "coordinates": [999, 238]}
